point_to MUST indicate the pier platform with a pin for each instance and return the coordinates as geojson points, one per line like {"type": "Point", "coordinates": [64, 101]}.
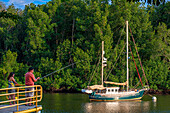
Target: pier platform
{"type": "Point", "coordinates": [22, 109]}
{"type": "Point", "coordinates": [20, 99]}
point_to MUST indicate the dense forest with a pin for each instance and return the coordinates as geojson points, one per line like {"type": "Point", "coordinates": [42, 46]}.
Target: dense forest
{"type": "Point", "coordinates": [59, 33]}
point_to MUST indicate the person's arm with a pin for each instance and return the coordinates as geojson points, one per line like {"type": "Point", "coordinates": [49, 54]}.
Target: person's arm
{"type": "Point", "coordinates": [33, 78]}
{"type": "Point", "coordinates": [14, 80]}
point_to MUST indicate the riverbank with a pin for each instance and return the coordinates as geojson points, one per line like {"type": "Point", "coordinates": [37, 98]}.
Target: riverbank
{"type": "Point", "coordinates": [164, 92]}
{"type": "Point", "coordinates": [62, 91]}
{"type": "Point", "coordinates": [151, 91]}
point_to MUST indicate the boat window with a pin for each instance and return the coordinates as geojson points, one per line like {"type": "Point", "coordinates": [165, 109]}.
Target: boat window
{"type": "Point", "coordinates": [112, 90]}
{"type": "Point", "coordinates": [108, 90]}
{"type": "Point", "coordinates": [104, 91]}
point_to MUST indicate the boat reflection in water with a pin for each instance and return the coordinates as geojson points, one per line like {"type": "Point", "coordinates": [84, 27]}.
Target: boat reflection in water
{"type": "Point", "coordinates": [117, 107]}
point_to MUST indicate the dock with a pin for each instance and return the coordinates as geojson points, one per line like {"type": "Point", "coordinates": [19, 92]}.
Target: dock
{"type": "Point", "coordinates": [20, 105]}
{"type": "Point", "coordinates": [22, 109]}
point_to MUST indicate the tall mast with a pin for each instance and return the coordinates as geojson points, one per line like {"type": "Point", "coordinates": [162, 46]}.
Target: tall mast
{"type": "Point", "coordinates": [127, 55]}
{"type": "Point", "coordinates": [102, 60]}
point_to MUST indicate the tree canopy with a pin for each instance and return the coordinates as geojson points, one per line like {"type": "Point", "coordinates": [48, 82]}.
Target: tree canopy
{"type": "Point", "coordinates": [58, 33]}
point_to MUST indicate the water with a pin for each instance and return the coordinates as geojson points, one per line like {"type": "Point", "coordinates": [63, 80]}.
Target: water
{"type": "Point", "coordinates": [79, 103]}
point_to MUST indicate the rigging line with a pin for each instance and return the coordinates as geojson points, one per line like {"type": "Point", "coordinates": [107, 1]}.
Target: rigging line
{"type": "Point", "coordinates": [95, 68]}
{"type": "Point", "coordinates": [119, 39]}
{"type": "Point", "coordinates": [60, 69]}
{"type": "Point", "coordinates": [137, 83]}
{"type": "Point", "coordinates": [94, 72]}
{"type": "Point", "coordinates": [115, 62]}
{"type": "Point", "coordinates": [138, 56]}
{"type": "Point", "coordinates": [135, 65]}
{"type": "Point", "coordinates": [120, 36]}
{"type": "Point", "coordinates": [118, 27]}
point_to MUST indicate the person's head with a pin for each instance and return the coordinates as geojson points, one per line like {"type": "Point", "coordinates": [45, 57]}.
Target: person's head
{"type": "Point", "coordinates": [11, 75]}
{"type": "Point", "coordinates": [31, 69]}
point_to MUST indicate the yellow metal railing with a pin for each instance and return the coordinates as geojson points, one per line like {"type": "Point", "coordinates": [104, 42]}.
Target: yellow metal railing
{"type": "Point", "coordinates": [17, 85]}
{"type": "Point", "coordinates": [21, 99]}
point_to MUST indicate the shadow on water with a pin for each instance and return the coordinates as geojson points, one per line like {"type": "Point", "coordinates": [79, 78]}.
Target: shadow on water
{"type": "Point", "coordinates": [79, 103]}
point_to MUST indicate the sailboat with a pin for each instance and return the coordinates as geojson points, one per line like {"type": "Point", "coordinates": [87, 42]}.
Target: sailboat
{"type": "Point", "coordinates": [101, 93]}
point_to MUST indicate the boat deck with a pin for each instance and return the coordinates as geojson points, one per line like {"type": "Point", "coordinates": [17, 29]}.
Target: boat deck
{"type": "Point", "coordinates": [21, 108]}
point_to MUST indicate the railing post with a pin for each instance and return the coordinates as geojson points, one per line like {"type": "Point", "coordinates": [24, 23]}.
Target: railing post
{"type": "Point", "coordinates": [17, 99]}
{"type": "Point", "coordinates": [36, 96]}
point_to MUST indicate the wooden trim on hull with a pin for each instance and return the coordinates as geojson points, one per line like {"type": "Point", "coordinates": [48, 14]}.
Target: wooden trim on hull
{"type": "Point", "coordinates": [116, 100]}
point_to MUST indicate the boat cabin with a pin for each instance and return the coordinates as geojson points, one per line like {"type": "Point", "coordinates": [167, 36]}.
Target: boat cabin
{"type": "Point", "coordinates": [111, 90]}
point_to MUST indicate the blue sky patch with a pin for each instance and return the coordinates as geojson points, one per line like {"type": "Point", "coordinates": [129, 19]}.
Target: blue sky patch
{"type": "Point", "coordinates": [21, 3]}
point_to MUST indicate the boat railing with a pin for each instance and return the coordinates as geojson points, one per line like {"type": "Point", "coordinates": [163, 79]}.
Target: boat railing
{"type": "Point", "coordinates": [20, 98]}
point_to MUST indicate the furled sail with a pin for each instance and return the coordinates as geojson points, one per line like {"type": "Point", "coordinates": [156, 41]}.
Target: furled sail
{"type": "Point", "coordinates": [115, 83]}
{"type": "Point", "coordinates": [96, 87]}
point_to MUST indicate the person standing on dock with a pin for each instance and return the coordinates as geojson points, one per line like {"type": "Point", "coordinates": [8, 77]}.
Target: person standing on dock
{"type": "Point", "coordinates": [29, 81]}
{"type": "Point", "coordinates": [11, 83]}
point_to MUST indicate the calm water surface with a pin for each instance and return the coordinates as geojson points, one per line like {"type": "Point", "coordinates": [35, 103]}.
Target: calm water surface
{"type": "Point", "coordinates": [79, 103]}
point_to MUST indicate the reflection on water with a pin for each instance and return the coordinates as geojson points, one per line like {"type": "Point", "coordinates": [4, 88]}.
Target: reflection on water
{"type": "Point", "coordinates": [117, 107]}
{"type": "Point", "coordinates": [154, 103]}
{"type": "Point", "coordinates": [79, 103]}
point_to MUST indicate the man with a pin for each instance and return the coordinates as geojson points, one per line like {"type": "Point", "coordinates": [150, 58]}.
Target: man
{"type": "Point", "coordinates": [29, 81]}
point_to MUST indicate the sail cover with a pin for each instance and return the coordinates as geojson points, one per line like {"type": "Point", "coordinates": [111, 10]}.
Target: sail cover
{"type": "Point", "coordinates": [115, 83]}
{"type": "Point", "coordinates": [100, 87]}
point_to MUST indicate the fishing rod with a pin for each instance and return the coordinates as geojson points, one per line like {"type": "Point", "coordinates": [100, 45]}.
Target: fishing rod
{"type": "Point", "coordinates": [60, 69]}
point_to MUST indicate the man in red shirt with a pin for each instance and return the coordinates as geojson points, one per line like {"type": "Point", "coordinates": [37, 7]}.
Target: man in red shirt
{"type": "Point", "coordinates": [29, 81]}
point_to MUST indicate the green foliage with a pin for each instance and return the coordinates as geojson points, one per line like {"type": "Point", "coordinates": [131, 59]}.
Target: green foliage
{"type": "Point", "coordinates": [8, 64]}
{"type": "Point", "coordinates": [59, 33]}
{"type": "Point", "coordinates": [159, 14]}
{"type": "Point", "coordinates": [157, 74]}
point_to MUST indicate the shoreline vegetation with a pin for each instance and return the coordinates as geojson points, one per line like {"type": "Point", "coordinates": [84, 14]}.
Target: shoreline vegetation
{"type": "Point", "coordinates": [59, 33]}
{"type": "Point", "coordinates": [151, 91]}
